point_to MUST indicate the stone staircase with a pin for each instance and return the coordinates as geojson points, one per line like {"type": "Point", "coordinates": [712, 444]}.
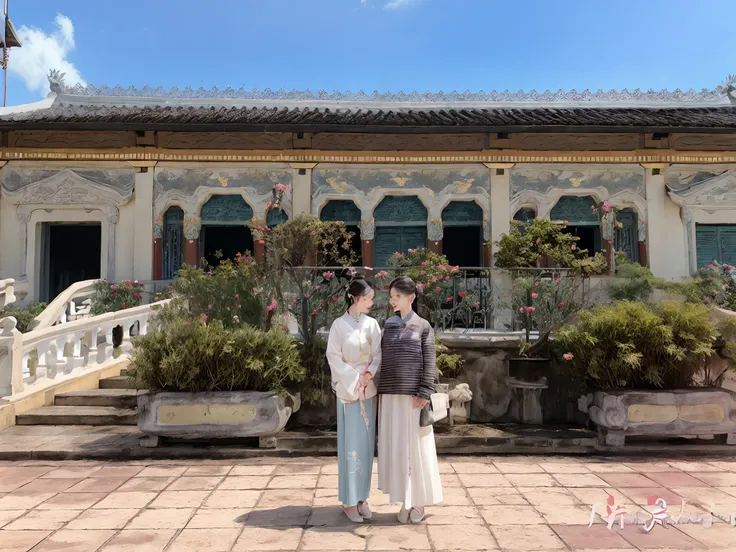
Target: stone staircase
{"type": "Point", "coordinates": [114, 403]}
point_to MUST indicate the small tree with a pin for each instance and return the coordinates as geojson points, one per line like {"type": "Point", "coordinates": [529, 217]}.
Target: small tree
{"type": "Point", "coordinates": [536, 244]}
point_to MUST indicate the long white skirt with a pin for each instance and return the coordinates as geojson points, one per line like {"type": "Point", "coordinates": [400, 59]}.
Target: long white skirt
{"type": "Point", "coordinates": [408, 470]}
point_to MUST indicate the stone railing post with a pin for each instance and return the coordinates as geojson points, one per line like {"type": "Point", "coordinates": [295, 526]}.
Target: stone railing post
{"type": "Point", "coordinates": [11, 357]}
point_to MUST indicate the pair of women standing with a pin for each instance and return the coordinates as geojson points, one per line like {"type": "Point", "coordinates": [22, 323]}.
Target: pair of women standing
{"type": "Point", "coordinates": [403, 360]}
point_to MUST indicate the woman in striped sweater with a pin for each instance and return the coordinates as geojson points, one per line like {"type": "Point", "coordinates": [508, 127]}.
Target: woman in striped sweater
{"type": "Point", "coordinates": [407, 458]}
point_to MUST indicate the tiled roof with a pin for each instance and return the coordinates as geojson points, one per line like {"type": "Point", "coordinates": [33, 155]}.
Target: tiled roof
{"type": "Point", "coordinates": [87, 107]}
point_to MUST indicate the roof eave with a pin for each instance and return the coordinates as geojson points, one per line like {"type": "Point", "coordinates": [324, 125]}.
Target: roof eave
{"type": "Point", "coordinates": [367, 129]}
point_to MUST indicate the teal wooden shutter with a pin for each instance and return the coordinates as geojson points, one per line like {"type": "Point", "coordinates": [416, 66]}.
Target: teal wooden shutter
{"type": "Point", "coordinates": [728, 244]}
{"type": "Point", "coordinates": [388, 242]}
{"type": "Point", "coordinates": [706, 244]}
{"type": "Point", "coordinates": [413, 237]}
{"type": "Point", "coordinates": [626, 238]}
{"type": "Point", "coordinates": [576, 210]}
{"type": "Point", "coordinates": [341, 209]}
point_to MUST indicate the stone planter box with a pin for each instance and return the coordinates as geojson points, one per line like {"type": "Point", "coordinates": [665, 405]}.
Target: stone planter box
{"type": "Point", "coordinates": [214, 415]}
{"type": "Point", "coordinates": [699, 412]}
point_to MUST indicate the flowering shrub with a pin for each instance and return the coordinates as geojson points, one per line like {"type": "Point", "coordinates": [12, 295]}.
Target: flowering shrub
{"type": "Point", "coordinates": [231, 293]}
{"type": "Point", "coordinates": [543, 305]}
{"type": "Point", "coordinates": [538, 244]}
{"type": "Point", "coordinates": [714, 285]}
{"type": "Point", "coordinates": [111, 297]}
{"type": "Point", "coordinates": [434, 278]}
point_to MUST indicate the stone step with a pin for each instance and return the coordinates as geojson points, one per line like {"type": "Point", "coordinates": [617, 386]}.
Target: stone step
{"type": "Point", "coordinates": [78, 415]}
{"type": "Point", "coordinates": [116, 382]}
{"type": "Point", "coordinates": [118, 398]}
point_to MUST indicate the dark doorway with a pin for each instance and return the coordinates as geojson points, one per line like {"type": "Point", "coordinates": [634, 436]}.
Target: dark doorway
{"type": "Point", "coordinates": [590, 237]}
{"type": "Point", "coordinates": [70, 253]}
{"type": "Point", "coordinates": [225, 242]}
{"type": "Point", "coordinates": [463, 245]}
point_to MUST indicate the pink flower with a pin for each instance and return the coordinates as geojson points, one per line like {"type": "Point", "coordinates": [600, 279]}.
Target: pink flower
{"type": "Point", "coordinates": [293, 301]}
{"type": "Point", "coordinates": [272, 306]}
{"type": "Point", "coordinates": [715, 293]}
{"type": "Point", "coordinates": [204, 318]}
{"type": "Point", "coordinates": [530, 309]}
{"type": "Point", "coordinates": [237, 296]}
{"type": "Point", "coordinates": [438, 288]}
{"type": "Point", "coordinates": [281, 187]}
{"type": "Point", "coordinates": [307, 297]}
{"type": "Point", "coordinates": [573, 247]}
{"type": "Point", "coordinates": [706, 300]}
{"type": "Point", "coordinates": [123, 305]}
{"type": "Point", "coordinates": [535, 295]}
{"type": "Point", "coordinates": [594, 208]}
{"type": "Point", "coordinates": [462, 294]}
{"type": "Point", "coordinates": [228, 308]}
{"type": "Point", "coordinates": [321, 301]}
{"type": "Point", "coordinates": [475, 305]}
{"type": "Point", "coordinates": [334, 299]}
{"type": "Point", "coordinates": [420, 288]}
{"type": "Point", "coordinates": [314, 232]}
{"type": "Point", "coordinates": [268, 205]}
{"type": "Point", "coordinates": [449, 299]}
{"type": "Point", "coordinates": [314, 312]}
{"type": "Point", "coordinates": [399, 254]}
{"type": "Point", "coordinates": [317, 287]}
{"type": "Point", "coordinates": [421, 272]}
{"type": "Point", "coordinates": [711, 266]}
{"type": "Point", "coordinates": [255, 290]}
{"type": "Point", "coordinates": [411, 250]}
{"type": "Point", "coordinates": [557, 281]}
{"type": "Point", "coordinates": [536, 284]}
{"type": "Point", "coordinates": [498, 297]}
{"type": "Point", "coordinates": [521, 310]}
{"type": "Point", "coordinates": [568, 356]}
{"type": "Point", "coordinates": [209, 307]}
{"type": "Point", "coordinates": [561, 305]}
{"type": "Point", "coordinates": [447, 278]}
{"type": "Point", "coordinates": [328, 275]}
{"type": "Point", "coordinates": [368, 269]}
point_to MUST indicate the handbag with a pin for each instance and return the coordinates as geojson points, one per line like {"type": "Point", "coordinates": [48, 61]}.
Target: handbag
{"type": "Point", "coordinates": [435, 410]}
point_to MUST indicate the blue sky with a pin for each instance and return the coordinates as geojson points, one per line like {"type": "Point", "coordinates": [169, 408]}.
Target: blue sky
{"type": "Point", "coordinates": [375, 44]}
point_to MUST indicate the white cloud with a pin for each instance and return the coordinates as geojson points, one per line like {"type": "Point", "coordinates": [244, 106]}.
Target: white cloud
{"type": "Point", "coordinates": [41, 52]}
{"type": "Point", "coordinates": [363, 2]}
{"type": "Point", "coordinates": [397, 4]}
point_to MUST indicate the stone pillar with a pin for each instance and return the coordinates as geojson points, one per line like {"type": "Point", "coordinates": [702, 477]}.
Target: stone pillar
{"type": "Point", "coordinates": [367, 237]}
{"type": "Point", "coordinates": [113, 215]}
{"type": "Point", "coordinates": [435, 234]}
{"type": "Point", "coordinates": [192, 226]}
{"type": "Point", "coordinates": [23, 213]}
{"type": "Point", "coordinates": [656, 228]}
{"type": "Point", "coordinates": [143, 254]}
{"type": "Point", "coordinates": [302, 188]}
{"type": "Point", "coordinates": [500, 202]}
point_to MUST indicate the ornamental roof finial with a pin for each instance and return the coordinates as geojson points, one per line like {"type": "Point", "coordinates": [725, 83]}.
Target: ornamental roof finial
{"type": "Point", "coordinates": [56, 81]}
{"type": "Point", "coordinates": [729, 87]}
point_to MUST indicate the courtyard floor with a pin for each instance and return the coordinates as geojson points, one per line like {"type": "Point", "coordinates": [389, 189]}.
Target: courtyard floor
{"type": "Point", "coordinates": [509, 503]}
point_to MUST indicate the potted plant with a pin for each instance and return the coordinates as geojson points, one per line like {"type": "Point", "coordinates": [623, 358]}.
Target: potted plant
{"type": "Point", "coordinates": [643, 369]}
{"type": "Point", "coordinates": [213, 366]}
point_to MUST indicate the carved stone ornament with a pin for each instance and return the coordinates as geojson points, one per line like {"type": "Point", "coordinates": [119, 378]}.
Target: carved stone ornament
{"type": "Point", "coordinates": [7, 325]}
{"type": "Point", "coordinates": [158, 232]}
{"type": "Point", "coordinates": [67, 187]}
{"type": "Point", "coordinates": [367, 230]}
{"type": "Point", "coordinates": [23, 213]}
{"type": "Point", "coordinates": [112, 214]}
{"type": "Point", "coordinates": [435, 230]}
{"type": "Point", "coordinates": [642, 228]}
{"type": "Point", "coordinates": [192, 227]}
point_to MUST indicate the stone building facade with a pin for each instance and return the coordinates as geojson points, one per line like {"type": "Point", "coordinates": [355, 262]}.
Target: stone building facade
{"type": "Point", "coordinates": [130, 184]}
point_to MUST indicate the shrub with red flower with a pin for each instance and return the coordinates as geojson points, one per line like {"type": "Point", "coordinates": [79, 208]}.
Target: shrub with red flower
{"type": "Point", "coordinates": [111, 297]}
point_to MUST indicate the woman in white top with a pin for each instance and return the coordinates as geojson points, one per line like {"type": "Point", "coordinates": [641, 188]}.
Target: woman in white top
{"type": "Point", "coordinates": [354, 355]}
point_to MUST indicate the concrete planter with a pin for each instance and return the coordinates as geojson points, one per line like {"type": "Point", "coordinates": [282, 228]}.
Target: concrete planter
{"type": "Point", "coordinates": [214, 415]}
{"type": "Point", "coordinates": [698, 412]}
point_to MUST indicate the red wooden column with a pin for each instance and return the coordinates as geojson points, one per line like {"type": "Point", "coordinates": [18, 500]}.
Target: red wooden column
{"type": "Point", "coordinates": [435, 246]}
{"type": "Point", "coordinates": [642, 253]}
{"type": "Point", "coordinates": [367, 252]}
{"type": "Point", "coordinates": [158, 259]}
{"type": "Point", "coordinates": [259, 250]}
{"type": "Point", "coordinates": [487, 258]}
{"type": "Point", "coordinates": [191, 252]}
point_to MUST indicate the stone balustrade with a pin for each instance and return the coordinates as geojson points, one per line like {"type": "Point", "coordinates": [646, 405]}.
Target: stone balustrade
{"type": "Point", "coordinates": [7, 292]}
{"type": "Point", "coordinates": [73, 303]}
{"type": "Point", "coordinates": [52, 352]}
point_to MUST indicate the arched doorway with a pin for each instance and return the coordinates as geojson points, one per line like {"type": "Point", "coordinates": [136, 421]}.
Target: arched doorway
{"type": "Point", "coordinates": [401, 224]}
{"type": "Point", "coordinates": [462, 241]}
{"type": "Point", "coordinates": [173, 242]}
{"type": "Point", "coordinates": [582, 221]}
{"type": "Point", "coordinates": [346, 211]}
{"type": "Point", "coordinates": [225, 231]}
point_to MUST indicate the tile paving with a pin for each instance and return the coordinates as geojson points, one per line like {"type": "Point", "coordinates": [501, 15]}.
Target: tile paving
{"type": "Point", "coordinates": [506, 503]}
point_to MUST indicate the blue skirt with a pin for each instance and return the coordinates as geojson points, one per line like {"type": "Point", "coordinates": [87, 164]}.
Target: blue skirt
{"type": "Point", "coordinates": [356, 442]}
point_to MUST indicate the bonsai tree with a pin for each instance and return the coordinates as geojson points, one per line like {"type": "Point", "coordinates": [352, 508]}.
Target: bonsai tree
{"type": "Point", "coordinates": [536, 244]}
{"type": "Point", "coordinates": [544, 305]}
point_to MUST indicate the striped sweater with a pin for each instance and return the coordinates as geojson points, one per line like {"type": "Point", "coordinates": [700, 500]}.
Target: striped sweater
{"type": "Point", "coordinates": [409, 358]}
